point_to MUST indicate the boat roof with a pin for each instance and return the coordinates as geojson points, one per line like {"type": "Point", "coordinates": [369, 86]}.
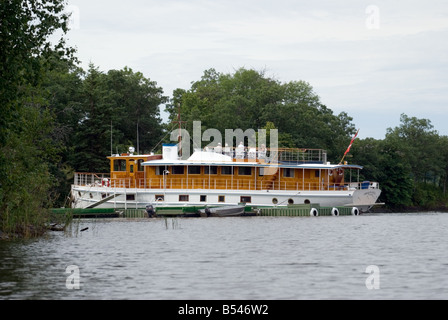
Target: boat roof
{"type": "Point", "coordinates": [203, 158]}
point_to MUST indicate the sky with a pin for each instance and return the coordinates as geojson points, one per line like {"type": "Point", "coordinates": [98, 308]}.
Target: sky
{"type": "Point", "coordinates": [374, 60]}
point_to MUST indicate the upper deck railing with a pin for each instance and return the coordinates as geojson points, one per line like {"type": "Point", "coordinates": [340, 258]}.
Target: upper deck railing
{"type": "Point", "coordinates": [292, 155]}
{"type": "Point", "coordinates": [103, 180]}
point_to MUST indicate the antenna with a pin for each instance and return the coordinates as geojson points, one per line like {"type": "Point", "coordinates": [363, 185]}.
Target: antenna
{"type": "Point", "coordinates": [138, 146]}
{"type": "Point", "coordinates": [111, 145]}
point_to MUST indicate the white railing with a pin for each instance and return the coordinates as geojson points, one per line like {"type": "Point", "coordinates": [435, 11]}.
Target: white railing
{"type": "Point", "coordinates": [90, 179]}
{"type": "Point", "coordinates": [293, 155]}
{"type": "Point", "coordinates": [103, 180]}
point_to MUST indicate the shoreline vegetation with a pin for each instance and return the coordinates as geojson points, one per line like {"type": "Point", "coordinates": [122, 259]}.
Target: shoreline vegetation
{"type": "Point", "coordinates": [443, 209]}
{"type": "Point", "coordinates": [58, 119]}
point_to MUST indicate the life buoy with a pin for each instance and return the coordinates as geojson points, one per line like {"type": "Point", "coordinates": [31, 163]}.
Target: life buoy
{"type": "Point", "coordinates": [355, 211]}
{"type": "Point", "coordinates": [335, 212]}
{"type": "Point", "coordinates": [105, 182]}
{"type": "Point", "coordinates": [314, 212]}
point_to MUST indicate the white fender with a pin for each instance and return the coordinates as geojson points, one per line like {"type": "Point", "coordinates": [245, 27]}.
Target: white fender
{"type": "Point", "coordinates": [355, 211]}
{"type": "Point", "coordinates": [335, 212]}
{"type": "Point", "coordinates": [314, 212]}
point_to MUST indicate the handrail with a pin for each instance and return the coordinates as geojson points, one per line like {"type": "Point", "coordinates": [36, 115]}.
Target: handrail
{"type": "Point", "coordinates": [297, 155]}
{"type": "Point", "coordinates": [88, 179]}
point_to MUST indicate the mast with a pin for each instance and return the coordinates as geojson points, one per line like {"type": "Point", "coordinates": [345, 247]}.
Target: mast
{"type": "Point", "coordinates": [179, 138]}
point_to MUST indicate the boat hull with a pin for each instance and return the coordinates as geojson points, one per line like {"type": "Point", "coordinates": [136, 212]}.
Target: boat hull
{"type": "Point", "coordinates": [128, 198]}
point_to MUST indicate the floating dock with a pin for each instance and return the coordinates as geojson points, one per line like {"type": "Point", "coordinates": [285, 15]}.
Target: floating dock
{"type": "Point", "coordinates": [304, 210]}
{"type": "Point", "coordinates": [87, 213]}
{"type": "Point", "coordinates": [297, 210]}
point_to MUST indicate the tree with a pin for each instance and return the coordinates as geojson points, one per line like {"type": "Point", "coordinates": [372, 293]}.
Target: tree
{"type": "Point", "coordinates": [62, 90]}
{"type": "Point", "coordinates": [120, 105]}
{"type": "Point", "coordinates": [444, 155]}
{"type": "Point", "coordinates": [419, 144]}
{"type": "Point", "coordinates": [409, 164]}
{"type": "Point", "coordinates": [24, 38]}
{"type": "Point", "coordinates": [249, 99]}
{"type": "Point", "coordinates": [382, 161]}
{"type": "Point", "coordinates": [136, 106]}
{"type": "Point", "coordinates": [25, 123]}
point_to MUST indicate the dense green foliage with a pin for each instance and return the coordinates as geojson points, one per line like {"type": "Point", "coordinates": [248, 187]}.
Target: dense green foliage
{"type": "Point", "coordinates": [96, 114]}
{"type": "Point", "coordinates": [410, 164]}
{"type": "Point", "coordinates": [57, 119]}
{"type": "Point", "coordinates": [250, 99]}
{"type": "Point", "coordinates": [25, 125]}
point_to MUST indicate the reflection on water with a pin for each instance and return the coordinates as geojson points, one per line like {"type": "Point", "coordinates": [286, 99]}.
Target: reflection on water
{"type": "Point", "coordinates": [234, 258]}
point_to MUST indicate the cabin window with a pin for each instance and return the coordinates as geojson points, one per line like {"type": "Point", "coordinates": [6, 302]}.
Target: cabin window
{"type": "Point", "coordinates": [244, 171]}
{"type": "Point", "coordinates": [119, 165]}
{"type": "Point", "coordinates": [131, 166]}
{"type": "Point", "coordinates": [226, 170]}
{"type": "Point", "coordinates": [130, 197]}
{"type": "Point", "coordinates": [221, 199]}
{"type": "Point", "coordinates": [290, 201]}
{"type": "Point", "coordinates": [178, 170]}
{"type": "Point", "coordinates": [274, 201]}
{"type": "Point", "coordinates": [139, 165]}
{"type": "Point", "coordinates": [307, 201]}
{"type": "Point", "coordinates": [211, 170]}
{"type": "Point", "coordinates": [183, 197]}
{"type": "Point", "coordinates": [288, 173]}
{"type": "Point", "coordinates": [203, 198]}
{"type": "Point", "coordinates": [160, 197]}
{"type": "Point", "coordinates": [194, 170]}
{"type": "Point", "coordinates": [159, 170]}
{"type": "Point", "coordinates": [244, 199]}
{"type": "Point", "coordinates": [317, 173]}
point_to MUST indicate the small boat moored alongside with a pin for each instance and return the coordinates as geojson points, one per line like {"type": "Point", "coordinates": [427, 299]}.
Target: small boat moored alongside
{"type": "Point", "coordinates": [224, 211]}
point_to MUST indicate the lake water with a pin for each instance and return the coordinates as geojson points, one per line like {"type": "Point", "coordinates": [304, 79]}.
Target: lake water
{"type": "Point", "coordinates": [373, 256]}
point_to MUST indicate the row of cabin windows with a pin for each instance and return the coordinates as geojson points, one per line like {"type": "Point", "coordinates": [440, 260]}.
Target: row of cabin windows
{"type": "Point", "coordinates": [226, 170]}
{"type": "Point", "coordinates": [120, 165]}
{"type": "Point", "coordinates": [203, 198]}
{"type": "Point", "coordinates": [242, 171]}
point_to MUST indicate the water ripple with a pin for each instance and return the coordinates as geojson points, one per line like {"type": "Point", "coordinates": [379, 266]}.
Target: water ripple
{"type": "Point", "coordinates": [234, 258]}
